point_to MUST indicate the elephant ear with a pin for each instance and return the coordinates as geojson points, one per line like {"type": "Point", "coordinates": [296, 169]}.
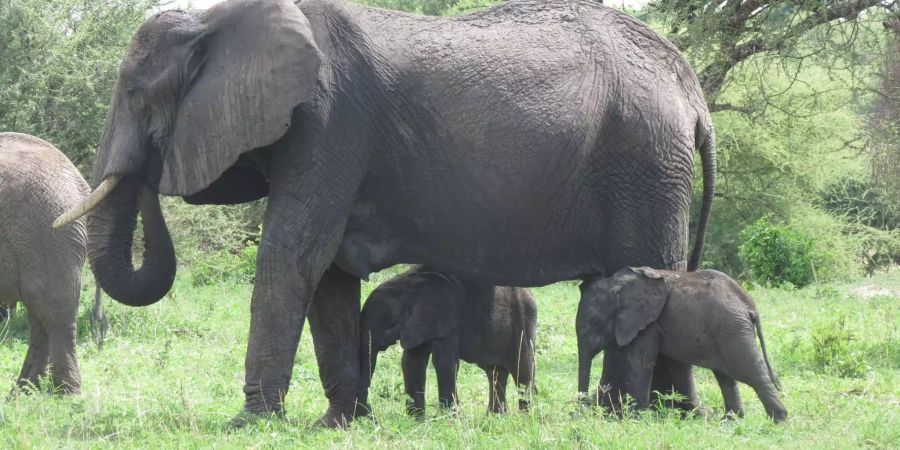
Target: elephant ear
{"type": "Point", "coordinates": [434, 313]}
{"type": "Point", "coordinates": [260, 62]}
{"type": "Point", "coordinates": [641, 294]}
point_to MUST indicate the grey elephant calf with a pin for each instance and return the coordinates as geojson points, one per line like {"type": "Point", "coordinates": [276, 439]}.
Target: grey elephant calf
{"type": "Point", "coordinates": [432, 313]}
{"type": "Point", "coordinates": [701, 318]}
{"type": "Point", "coordinates": [41, 266]}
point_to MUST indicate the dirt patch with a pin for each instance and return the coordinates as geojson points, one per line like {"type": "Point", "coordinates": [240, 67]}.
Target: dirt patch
{"type": "Point", "coordinates": [875, 291]}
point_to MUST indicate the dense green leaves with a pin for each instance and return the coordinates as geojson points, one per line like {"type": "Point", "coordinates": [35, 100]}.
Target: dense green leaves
{"type": "Point", "coordinates": [432, 7]}
{"type": "Point", "coordinates": [58, 62]}
{"type": "Point", "coordinates": [777, 255]}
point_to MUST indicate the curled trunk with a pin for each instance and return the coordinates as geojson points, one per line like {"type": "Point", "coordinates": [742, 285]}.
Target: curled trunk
{"type": "Point", "coordinates": [111, 229]}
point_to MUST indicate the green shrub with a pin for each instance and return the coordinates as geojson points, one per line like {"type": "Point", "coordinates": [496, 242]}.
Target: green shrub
{"type": "Point", "coordinates": [861, 202]}
{"type": "Point", "coordinates": [58, 64]}
{"type": "Point", "coordinates": [225, 266]}
{"type": "Point", "coordinates": [832, 349]}
{"type": "Point", "coordinates": [777, 255]}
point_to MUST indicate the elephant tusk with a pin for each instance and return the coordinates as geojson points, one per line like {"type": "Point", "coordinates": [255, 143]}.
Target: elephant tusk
{"type": "Point", "coordinates": [89, 203]}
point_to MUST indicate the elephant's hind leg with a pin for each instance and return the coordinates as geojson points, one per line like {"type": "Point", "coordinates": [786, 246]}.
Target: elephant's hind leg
{"type": "Point", "coordinates": [523, 376]}
{"type": "Point", "coordinates": [64, 368]}
{"type": "Point", "coordinates": [772, 402]}
{"type": "Point", "coordinates": [734, 407]}
{"type": "Point", "coordinates": [58, 319]}
{"type": "Point", "coordinates": [36, 358]}
{"type": "Point", "coordinates": [745, 363]}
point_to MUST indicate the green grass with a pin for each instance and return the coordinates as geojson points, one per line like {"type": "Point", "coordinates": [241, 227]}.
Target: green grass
{"type": "Point", "coordinates": [170, 376]}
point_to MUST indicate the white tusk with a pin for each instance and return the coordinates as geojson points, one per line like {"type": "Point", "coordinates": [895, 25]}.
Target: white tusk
{"type": "Point", "coordinates": [89, 203]}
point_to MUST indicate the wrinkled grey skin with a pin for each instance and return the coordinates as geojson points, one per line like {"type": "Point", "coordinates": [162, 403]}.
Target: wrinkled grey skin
{"type": "Point", "coordinates": [39, 265]}
{"type": "Point", "coordinates": [435, 314]}
{"type": "Point", "coordinates": [534, 142]}
{"type": "Point", "coordinates": [701, 318]}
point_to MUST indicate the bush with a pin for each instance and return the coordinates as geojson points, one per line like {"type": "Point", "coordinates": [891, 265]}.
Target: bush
{"type": "Point", "coordinates": [833, 352]}
{"type": "Point", "coordinates": [58, 62]}
{"type": "Point", "coordinates": [777, 255]}
{"type": "Point", "coordinates": [861, 202]}
{"type": "Point", "coordinates": [225, 266]}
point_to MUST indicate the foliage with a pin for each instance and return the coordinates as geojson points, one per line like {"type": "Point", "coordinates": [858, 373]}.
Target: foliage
{"type": "Point", "coordinates": [469, 6]}
{"type": "Point", "coordinates": [217, 243]}
{"type": "Point", "coordinates": [861, 202]}
{"type": "Point", "coordinates": [777, 255]}
{"type": "Point", "coordinates": [722, 38]}
{"type": "Point", "coordinates": [885, 130]}
{"type": "Point", "coordinates": [223, 265]}
{"type": "Point", "coordinates": [432, 7]}
{"type": "Point", "coordinates": [833, 351]}
{"type": "Point", "coordinates": [58, 63]}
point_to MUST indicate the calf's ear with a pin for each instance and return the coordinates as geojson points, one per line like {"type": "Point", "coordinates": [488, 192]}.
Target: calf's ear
{"type": "Point", "coordinates": [640, 295]}
{"type": "Point", "coordinates": [435, 313]}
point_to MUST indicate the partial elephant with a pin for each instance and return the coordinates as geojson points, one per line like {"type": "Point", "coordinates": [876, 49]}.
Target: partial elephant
{"type": "Point", "coordinates": [533, 142]}
{"type": "Point", "coordinates": [701, 318]}
{"type": "Point", "coordinates": [39, 265]}
{"type": "Point", "coordinates": [435, 314]}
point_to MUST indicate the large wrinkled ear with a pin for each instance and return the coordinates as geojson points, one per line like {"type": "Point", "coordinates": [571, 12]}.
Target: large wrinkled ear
{"type": "Point", "coordinates": [259, 61]}
{"type": "Point", "coordinates": [435, 313]}
{"type": "Point", "coordinates": [641, 295]}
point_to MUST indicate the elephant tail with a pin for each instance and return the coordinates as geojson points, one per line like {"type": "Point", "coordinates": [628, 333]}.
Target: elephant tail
{"type": "Point", "coordinates": [706, 137]}
{"type": "Point", "coordinates": [762, 344]}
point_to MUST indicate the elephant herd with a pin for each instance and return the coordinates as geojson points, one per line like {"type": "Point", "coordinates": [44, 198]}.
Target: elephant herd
{"type": "Point", "coordinates": [533, 142]}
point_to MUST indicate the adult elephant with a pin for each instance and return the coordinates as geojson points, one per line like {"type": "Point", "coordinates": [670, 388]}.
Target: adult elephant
{"type": "Point", "coordinates": [534, 142]}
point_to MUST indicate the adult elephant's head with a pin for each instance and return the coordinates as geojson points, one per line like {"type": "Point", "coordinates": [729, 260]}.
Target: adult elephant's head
{"type": "Point", "coordinates": [195, 91]}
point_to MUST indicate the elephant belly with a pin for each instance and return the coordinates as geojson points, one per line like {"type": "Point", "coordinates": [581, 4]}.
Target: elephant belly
{"type": "Point", "coordinates": [689, 332]}
{"type": "Point", "coordinates": [483, 251]}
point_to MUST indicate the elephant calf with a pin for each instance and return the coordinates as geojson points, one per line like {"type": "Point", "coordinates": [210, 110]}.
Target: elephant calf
{"type": "Point", "coordinates": [432, 313]}
{"type": "Point", "coordinates": [39, 265]}
{"type": "Point", "coordinates": [701, 318]}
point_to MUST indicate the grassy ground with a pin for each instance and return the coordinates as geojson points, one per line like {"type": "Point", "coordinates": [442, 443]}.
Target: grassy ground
{"type": "Point", "coordinates": [170, 376]}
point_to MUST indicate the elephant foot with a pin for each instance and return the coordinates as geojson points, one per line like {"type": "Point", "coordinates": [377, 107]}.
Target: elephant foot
{"type": "Point", "coordinates": [342, 417]}
{"type": "Point", "coordinates": [247, 417]}
{"type": "Point", "coordinates": [414, 411]}
{"type": "Point", "coordinates": [701, 412]}
{"type": "Point", "coordinates": [449, 409]}
{"type": "Point", "coordinates": [588, 399]}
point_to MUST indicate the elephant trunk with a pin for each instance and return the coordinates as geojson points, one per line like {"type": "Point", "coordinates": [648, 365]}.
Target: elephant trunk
{"type": "Point", "coordinates": [111, 226]}
{"type": "Point", "coordinates": [366, 364]}
{"type": "Point", "coordinates": [585, 358]}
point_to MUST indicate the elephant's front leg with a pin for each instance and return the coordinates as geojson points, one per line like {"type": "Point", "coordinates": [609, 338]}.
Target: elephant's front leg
{"type": "Point", "coordinates": [640, 360]}
{"type": "Point", "coordinates": [334, 324]}
{"type": "Point", "coordinates": [297, 246]}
